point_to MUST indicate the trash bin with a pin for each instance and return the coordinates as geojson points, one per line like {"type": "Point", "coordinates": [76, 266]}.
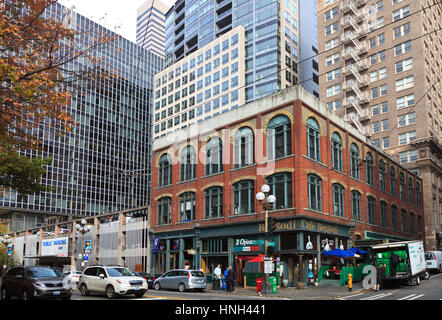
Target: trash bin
{"type": "Point", "coordinates": [259, 285]}
{"type": "Point", "coordinates": [215, 283]}
{"type": "Point", "coordinates": [272, 281]}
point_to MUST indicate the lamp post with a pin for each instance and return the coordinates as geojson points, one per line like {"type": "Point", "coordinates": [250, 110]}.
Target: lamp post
{"type": "Point", "coordinates": [266, 202]}
{"type": "Point", "coordinates": [83, 228]}
{"type": "Point", "coordinates": [5, 241]}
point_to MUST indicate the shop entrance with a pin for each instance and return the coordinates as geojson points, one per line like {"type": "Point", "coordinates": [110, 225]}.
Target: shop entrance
{"type": "Point", "coordinates": [209, 264]}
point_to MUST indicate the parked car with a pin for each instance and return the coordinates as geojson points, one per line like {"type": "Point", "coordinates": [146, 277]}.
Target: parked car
{"type": "Point", "coordinates": [73, 277]}
{"type": "Point", "coordinates": [111, 280]}
{"type": "Point", "coordinates": [34, 282]}
{"type": "Point", "coordinates": [434, 260]}
{"type": "Point", "coordinates": [181, 279]}
{"type": "Point", "coordinates": [150, 278]}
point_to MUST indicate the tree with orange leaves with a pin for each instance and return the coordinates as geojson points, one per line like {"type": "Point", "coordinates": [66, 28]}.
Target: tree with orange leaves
{"type": "Point", "coordinates": [36, 84]}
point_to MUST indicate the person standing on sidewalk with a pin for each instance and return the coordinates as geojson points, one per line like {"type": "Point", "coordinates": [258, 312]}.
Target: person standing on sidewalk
{"type": "Point", "coordinates": [217, 274]}
{"type": "Point", "coordinates": [231, 280]}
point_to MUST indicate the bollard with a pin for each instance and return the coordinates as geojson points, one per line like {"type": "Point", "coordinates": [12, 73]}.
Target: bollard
{"type": "Point", "coordinates": [350, 281]}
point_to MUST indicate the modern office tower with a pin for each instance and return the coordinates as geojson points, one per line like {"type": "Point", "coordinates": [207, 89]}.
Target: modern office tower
{"type": "Point", "coordinates": [150, 26]}
{"type": "Point", "coordinates": [103, 164]}
{"type": "Point", "coordinates": [272, 37]}
{"type": "Point", "coordinates": [204, 84]}
{"type": "Point", "coordinates": [380, 68]}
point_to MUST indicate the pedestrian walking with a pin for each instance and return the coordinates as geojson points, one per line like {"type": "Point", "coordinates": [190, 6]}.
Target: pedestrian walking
{"type": "Point", "coordinates": [231, 280]}
{"type": "Point", "coordinates": [380, 271]}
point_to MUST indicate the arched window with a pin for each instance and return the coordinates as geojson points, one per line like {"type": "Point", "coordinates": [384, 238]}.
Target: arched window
{"type": "Point", "coordinates": [402, 186]}
{"type": "Point", "coordinates": [214, 156]}
{"type": "Point", "coordinates": [188, 164]}
{"type": "Point", "coordinates": [338, 200]}
{"type": "Point", "coordinates": [369, 169]}
{"type": "Point", "coordinates": [356, 205]}
{"type": "Point", "coordinates": [371, 210]}
{"type": "Point", "coordinates": [394, 220]}
{"type": "Point", "coordinates": [392, 181]}
{"type": "Point", "coordinates": [187, 206]}
{"type": "Point", "coordinates": [410, 190]}
{"type": "Point", "coordinates": [412, 222]}
{"type": "Point", "coordinates": [354, 161]}
{"type": "Point", "coordinates": [243, 197]}
{"type": "Point", "coordinates": [314, 192]}
{"type": "Point", "coordinates": [279, 138]}
{"type": "Point", "coordinates": [281, 187]}
{"type": "Point", "coordinates": [404, 220]}
{"type": "Point", "coordinates": [213, 202]}
{"type": "Point", "coordinates": [418, 194]}
{"type": "Point", "coordinates": [382, 184]}
{"type": "Point", "coordinates": [164, 210]}
{"type": "Point", "coordinates": [313, 139]}
{"type": "Point", "coordinates": [384, 222]}
{"type": "Point", "coordinates": [243, 148]}
{"type": "Point", "coordinates": [336, 143]}
{"type": "Point", "coordinates": [165, 171]}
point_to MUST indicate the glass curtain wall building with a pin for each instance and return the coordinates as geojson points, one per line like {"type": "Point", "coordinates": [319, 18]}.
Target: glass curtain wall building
{"type": "Point", "coordinates": [272, 30]}
{"type": "Point", "coordinates": [103, 164]}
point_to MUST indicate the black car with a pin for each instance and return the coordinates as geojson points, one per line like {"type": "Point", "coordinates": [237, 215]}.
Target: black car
{"type": "Point", "coordinates": [34, 282]}
{"type": "Point", "coordinates": [149, 278]}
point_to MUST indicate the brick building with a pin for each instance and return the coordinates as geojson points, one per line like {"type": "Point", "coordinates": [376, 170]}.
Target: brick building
{"type": "Point", "coordinates": [331, 185]}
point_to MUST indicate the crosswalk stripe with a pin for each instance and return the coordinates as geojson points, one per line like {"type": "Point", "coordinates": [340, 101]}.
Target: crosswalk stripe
{"type": "Point", "coordinates": [411, 295]}
{"type": "Point", "coordinates": [354, 295]}
{"type": "Point", "coordinates": [377, 296]}
{"type": "Point", "coordinates": [416, 297]}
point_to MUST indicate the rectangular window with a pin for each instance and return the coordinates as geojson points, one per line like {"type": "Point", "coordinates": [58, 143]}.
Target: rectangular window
{"type": "Point", "coordinates": [331, 43]}
{"type": "Point", "coordinates": [405, 101]}
{"type": "Point", "coordinates": [401, 13]}
{"type": "Point", "coordinates": [334, 90]}
{"type": "Point", "coordinates": [332, 59]}
{"type": "Point", "coordinates": [407, 137]}
{"type": "Point", "coordinates": [404, 83]}
{"type": "Point", "coordinates": [404, 65]}
{"type": "Point", "coordinates": [406, 119]}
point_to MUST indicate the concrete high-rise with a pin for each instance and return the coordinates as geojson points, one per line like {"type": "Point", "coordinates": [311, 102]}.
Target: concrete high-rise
{"type": "Point", "coordinates": [150, 26]}
{"type": "Point", "coordinates": [380, 65]}
{"type": "Point", "coordinates": [278, 53]}
{"type": "Point", "coordinates": [103, 164]}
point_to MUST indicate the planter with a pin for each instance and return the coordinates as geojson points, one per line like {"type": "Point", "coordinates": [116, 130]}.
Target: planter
{"type": "Point", "coordinates": [285, 283]}
{"type": "Point", "coordinates": [300, 285]}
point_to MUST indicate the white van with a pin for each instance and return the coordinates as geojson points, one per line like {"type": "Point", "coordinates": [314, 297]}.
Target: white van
{"type": "Point", "coordinates": [434, 260]}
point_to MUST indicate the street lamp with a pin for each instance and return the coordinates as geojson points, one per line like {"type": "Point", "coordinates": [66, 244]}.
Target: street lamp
{"type": "Point", "coordinates": [83, 228]}
{"type": "Point", "coordinates": [266, 202]}
{"type": "Point", "coordinates": [5, 241]}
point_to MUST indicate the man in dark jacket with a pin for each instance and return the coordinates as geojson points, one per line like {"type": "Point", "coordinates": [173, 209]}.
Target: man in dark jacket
{"type": "Point", "coordinates": [394, 259]}
{"type": "Point", "coordinates": [230, 280]}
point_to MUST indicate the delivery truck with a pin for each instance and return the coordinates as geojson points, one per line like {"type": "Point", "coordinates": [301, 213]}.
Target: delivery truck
{"type": "Point", "coordinates": [410, 255]}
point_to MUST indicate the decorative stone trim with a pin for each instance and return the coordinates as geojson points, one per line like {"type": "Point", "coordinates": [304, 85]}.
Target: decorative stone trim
{"type": "Point", "coordinates": [369, 194]}
{"type": "Point", "coordinates": [159, 155]}
{"type": "Point", "coordinates": [214, 184]}
{"type": "Point", "coordinates": [270, 116]}
{"type": "Point", "coordinates": [312, 171]}
{"type": "Point", "coordinates": [321, 122]}
{"type": "Point", "coordinates": [186, 190]}
{"type": "Point", "coordinates": [357, 189]}
{"type": "Point", "coordinates": [163, 196]}
{"type": "Point", "coordinates": [234, 130]}
{"type": "Point", "coordinates": [279, 170]}
{"type": "Point", "coordinates": [242, 178]}
{"type": "Point", "coordinates": [339, 182]}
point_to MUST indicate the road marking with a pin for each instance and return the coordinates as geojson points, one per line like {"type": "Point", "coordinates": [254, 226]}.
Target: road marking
{"type": "Point", "coordinates": [416, 297]}
{"type": "Point", "coordinates": [411, 295]}
{"type": "Point", "coordinates": [354, 295]}
{"type": "Point", "coordinates": [382, 295]}
{"type": "Point", "coordinates": [164, 297]}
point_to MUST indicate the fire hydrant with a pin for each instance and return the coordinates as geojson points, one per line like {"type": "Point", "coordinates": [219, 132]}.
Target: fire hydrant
{"type": "Point", "coordinates": [350, 281]}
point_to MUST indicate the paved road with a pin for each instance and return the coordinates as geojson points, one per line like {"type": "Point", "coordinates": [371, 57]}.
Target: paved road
{"type": "Point", "coordinates": [428, 290]}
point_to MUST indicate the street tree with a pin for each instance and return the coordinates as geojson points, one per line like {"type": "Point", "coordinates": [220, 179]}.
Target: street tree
{"type": "Point", "coordinates": [37, 81]}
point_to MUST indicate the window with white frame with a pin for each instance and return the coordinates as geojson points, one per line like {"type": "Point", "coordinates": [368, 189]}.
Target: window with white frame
{"type": "Point", "coordinates": [404, 83]}
{"type": "Point", "coordinates": [330, 14]}
{"type": "Point", "coordinates": [402, 48]}
{"type": "Point", "coordinates": [330, 29]}
{"type": "Point", "coordinates": [408, 156]}
{"type": "Point", "coordinates": [334, 105]}
{"type": "Point", "coordinates": [402, 30]}
{"type": "Point", "coordinates": [406, 119]}
{"type": "Point", "coordinates": [333, 74]}
{"type": "Point", "coordinates": [331, 43]}
{"type": "Point", "coordinates": [404, 65]}
{"type": "Point", "coordinates": [334, 58]}
{"type": "Point", "coordinates": [406, 101]}
{"type": "Point", "coordinates": [401, 13]}
{"type": "Point", "coordinates": [407, 137]}
{"type": "Point", "coordinates": [333, 90]}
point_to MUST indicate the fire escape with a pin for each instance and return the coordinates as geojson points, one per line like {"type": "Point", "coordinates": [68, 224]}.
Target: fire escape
{"type": "Point", "coordinates": [355, 25]}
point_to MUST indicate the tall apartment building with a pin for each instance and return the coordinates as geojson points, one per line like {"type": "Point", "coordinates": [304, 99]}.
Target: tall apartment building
{"type": "Point", "coordinates": [380, 68]}
{"type": "Point", "coordinates": [273, 56]}
{"type": "Point", "coordinates": [103, 164]}
{"type": "Point", "coordinates": [150, 26]}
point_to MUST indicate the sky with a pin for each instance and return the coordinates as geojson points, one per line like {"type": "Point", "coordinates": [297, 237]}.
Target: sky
{"type": "Point", "coordinates": [111, 13]}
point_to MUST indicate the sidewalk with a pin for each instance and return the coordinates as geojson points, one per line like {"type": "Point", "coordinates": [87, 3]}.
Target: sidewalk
{"type": "Point", "coordinates": [325, 292]}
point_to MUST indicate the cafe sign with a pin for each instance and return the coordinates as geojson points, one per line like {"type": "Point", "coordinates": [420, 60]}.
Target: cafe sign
{"type": "Point", "coordinates": [251, 245]}
{"type": "Point", "coordinates": [307, 225]}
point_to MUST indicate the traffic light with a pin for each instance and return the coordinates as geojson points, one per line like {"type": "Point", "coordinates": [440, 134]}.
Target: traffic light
{"type": "Point", "coordinates": [273, 225]}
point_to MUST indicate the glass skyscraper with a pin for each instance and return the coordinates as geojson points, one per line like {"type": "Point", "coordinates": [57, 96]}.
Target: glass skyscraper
{"type": "Point", "coordinates": [103, 164]}
{"type": "Point", "coordinates": [273, 36]}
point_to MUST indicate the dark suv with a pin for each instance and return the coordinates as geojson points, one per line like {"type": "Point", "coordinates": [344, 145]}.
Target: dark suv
{"type": "Point", "coordinates": [34, 282]}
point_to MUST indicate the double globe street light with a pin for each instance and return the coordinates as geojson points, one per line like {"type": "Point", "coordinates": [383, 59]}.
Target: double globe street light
{"type": "Point", "coordinates": [6, 242]}
{"type": "Point", "coordinates": [83, 228]}
{"type": "Point", "coordinates": [267, 201]}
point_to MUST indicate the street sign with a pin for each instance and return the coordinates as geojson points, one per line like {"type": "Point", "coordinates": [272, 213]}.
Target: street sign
{"type": "Point", "coordinates": [86, 258]}
{"type": "Point", "coordinates": [268, 266]}
{"type": "Point", "coordinates": [10, 251]}
{"type": "Point", "coordinates": [80, 256]}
